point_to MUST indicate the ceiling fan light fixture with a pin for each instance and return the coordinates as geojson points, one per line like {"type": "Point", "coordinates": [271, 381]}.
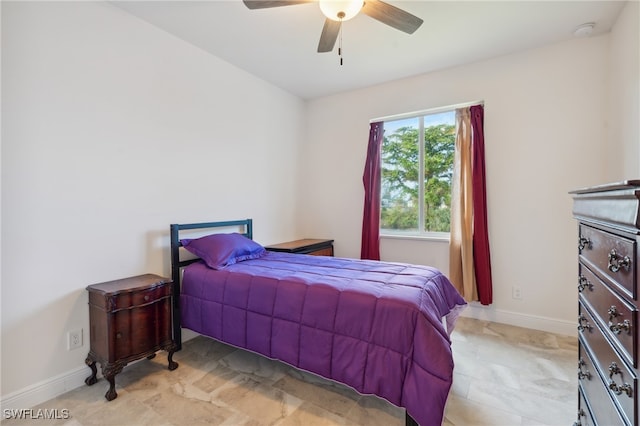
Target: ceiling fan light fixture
{"type": "Point", "coordinates": [340, 10]}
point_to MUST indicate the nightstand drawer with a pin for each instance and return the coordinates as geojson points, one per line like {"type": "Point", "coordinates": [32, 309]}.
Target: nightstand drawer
{"type": "Point", "coordinates": [113, 295]}
{"type": "Point", "coordinates": [139, 298]}
{"type": "Point", "coordinates": [151, 331]}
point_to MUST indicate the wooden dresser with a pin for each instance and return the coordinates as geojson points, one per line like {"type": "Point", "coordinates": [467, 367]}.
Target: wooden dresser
{"type": "Point", "coordinates": [306, 246]}
{"type": "Point", "coordinates": [129, 319]}
{"type": "Point", "coordinates": [608, 239]}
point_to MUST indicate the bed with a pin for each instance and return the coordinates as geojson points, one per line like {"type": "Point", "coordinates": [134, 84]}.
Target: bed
{"type": "Point", "coordinates": [380, 328]}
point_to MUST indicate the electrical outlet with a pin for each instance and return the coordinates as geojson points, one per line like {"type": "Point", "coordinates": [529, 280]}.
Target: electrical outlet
{"type": "Point", "coordinates": [74, 339]}
{"type": "Point", "coordinates": [516, 292]}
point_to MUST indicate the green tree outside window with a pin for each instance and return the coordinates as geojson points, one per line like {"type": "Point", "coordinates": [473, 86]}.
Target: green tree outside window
{"type": "Point", "coordinates": [401, 177]}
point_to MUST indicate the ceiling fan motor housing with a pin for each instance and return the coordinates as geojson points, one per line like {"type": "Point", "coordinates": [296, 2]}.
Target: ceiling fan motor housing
{"type": "Point", "coordinates": [340, 10]}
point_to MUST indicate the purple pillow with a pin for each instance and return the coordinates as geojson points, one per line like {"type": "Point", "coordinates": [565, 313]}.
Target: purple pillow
{"type": "Point", "coordinates": [221, 250]}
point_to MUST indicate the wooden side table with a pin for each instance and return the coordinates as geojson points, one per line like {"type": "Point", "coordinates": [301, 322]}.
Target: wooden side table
{"type": "Point", "coordinates": [129, 319]}
{"type": "Point", "coordinates": [314, 247]}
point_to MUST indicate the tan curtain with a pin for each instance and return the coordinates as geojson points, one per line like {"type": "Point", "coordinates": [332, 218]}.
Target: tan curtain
{"type": "Point", "coordinates": [461, 269]}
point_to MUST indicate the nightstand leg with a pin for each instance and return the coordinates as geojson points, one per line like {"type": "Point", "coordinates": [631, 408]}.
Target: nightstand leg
{"type": "Point", "coordinates": [111, 393]}
{"type": "Point", "coordinates": [109, 372]}
{"type": "Point", "coordinates": [172, 364]}
{"type": "Point", "coordinates": [91, 380]}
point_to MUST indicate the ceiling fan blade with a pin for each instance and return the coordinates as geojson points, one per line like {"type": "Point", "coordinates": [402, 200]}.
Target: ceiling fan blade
{"type": "Point", "coordinates": [392, 16]}
{"type": "Point", "coordinates": [329, 35]}
{"type": "Point", "coordinates": [265, 4]}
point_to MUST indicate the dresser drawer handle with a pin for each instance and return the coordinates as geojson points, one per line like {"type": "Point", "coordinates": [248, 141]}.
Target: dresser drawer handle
{"type": "Point", "coordinates": [583, 243]}
{"type": "Point", "coordinates": [146, 298]}
{"type": "Point", "coordinates": [626, 388]}
{"type": "Point", "coordinates": [583, 323]}
{"type": "Point", "coordinates": [613, 312]}
{"type": "Point", "coordinates": [118, 335]}
{"type": "Point", "coordinates": [581, 413]}
{"type": "Point", "coordinates": [583, 374]}
{"type": "Point", "coordinates": [620, 327]}
{"type": "Point", "coordinates": [617, 262]}
{"type": "Point", "coordinates": [583, 283]}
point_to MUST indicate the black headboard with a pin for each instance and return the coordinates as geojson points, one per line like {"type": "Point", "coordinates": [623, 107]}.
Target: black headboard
{"type": "Point", "coordinates": [246, 229]}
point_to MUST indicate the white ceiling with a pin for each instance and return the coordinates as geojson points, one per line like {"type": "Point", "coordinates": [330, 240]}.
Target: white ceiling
{"type": "Point", "coordinates": [279, 44]}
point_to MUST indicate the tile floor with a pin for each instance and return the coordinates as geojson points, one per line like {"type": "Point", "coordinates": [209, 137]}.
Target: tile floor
{"type": "Point", "coordinates": [504, 375]}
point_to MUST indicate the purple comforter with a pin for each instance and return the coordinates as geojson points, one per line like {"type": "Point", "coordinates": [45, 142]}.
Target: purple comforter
{"type": "Point", "coordinates": [374, 326]}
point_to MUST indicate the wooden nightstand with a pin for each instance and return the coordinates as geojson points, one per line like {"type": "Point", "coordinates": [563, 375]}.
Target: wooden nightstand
{"type": "Point", "coordinates": [305, 246]}
{"type": "Point", "coordinates": [129, 319]}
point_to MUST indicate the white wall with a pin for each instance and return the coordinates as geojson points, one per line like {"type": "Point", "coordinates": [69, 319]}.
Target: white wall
{"type": "Point", "coordinates": [112, 130]}
{"type": "Point", "coordinates": [545, 126]}
{"type": "Point", "coordinates": [624, 95]}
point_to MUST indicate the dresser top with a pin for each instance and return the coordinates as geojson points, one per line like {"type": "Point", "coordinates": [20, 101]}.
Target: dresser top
{"type": "Point", "coordinates": [626, 184]}
{"type": "Point", "coordinates": [614, 204]}
{"type": "Point", "coordinates": [128, 284]}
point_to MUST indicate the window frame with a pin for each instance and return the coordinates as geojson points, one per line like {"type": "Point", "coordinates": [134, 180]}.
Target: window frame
{"type": "Point", "coordinates": [420, 234]}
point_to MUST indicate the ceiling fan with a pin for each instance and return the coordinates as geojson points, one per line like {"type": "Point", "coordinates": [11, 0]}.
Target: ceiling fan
{"type": "Point", "coordinates": [337, 11]}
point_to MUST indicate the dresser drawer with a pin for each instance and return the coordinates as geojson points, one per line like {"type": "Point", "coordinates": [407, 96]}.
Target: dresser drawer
{"type": "Point", "coordinates": [601, 408]}
{"type": "Point", "coordinates": [615, 315]}
{"type": "Point", "coordinates": [613, 256]}
{"type": "Point", "coordinates": [612, 373]}
{"type": "Point", "coordinates": [585, 417]}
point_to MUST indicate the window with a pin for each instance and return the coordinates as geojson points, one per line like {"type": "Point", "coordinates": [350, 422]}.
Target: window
{"type": "Point", "coordinates": [417, 168]}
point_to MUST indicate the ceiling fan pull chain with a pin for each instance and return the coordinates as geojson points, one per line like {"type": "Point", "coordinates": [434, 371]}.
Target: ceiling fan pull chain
{"type": "Point", "coordinates": [340, 43]}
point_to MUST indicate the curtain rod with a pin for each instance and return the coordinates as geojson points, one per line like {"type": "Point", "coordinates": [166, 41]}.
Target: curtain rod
{"type": "Point", "coordinates": [425, 112]}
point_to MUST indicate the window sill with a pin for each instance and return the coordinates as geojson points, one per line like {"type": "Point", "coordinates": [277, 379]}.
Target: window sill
{"type": "Point", "coordinates": [436, 238]}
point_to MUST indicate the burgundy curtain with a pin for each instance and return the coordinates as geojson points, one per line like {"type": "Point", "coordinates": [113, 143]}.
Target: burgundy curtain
{"type": "Point", "coordinates": [481, 254]}
{"type": "Point", "coordinates": [370, 248]}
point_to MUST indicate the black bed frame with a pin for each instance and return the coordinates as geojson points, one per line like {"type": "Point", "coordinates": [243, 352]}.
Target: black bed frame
{"type": "Point", "coordinates": [246, 226]}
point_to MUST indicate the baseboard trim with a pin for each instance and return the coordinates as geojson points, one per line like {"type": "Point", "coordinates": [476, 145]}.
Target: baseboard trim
{"type": "Point", "coordinates": [48, 389]}
{"type": "Point", "coordinates": [551, 325]}
{"type": "Point", "coordinates": [45, 390]}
